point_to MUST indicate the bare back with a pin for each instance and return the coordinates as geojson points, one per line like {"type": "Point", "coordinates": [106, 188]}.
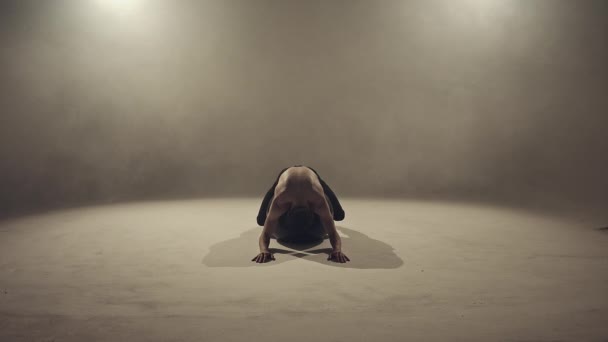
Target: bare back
{"type": "Point", "coordinates": [299, 186]}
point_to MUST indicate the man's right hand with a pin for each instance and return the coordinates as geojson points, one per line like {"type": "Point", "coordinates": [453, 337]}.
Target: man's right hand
{"type": "Point", "coordinates": [263, 257]}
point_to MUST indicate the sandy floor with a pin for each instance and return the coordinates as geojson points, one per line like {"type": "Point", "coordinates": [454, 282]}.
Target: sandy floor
{"type": "Point", "coordinates": [420, 271]}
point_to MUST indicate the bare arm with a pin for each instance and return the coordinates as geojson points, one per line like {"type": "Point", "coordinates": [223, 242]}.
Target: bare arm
{"type": "Point", "coordinates": [270, 226]}
{"type": "Point", "coordinates": [334, 238]}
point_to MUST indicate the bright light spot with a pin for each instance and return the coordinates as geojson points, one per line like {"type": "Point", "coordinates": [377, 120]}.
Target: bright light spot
{"type": "Point", "coordinates": [488, 6]}
{"type": "Point", "coordinates": [122, 6]}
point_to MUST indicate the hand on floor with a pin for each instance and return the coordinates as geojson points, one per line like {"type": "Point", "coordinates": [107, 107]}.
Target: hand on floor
{"type": "Point", "coordinates": [338, 257]}
{"type": "Point", "coordinates": [263, 257]}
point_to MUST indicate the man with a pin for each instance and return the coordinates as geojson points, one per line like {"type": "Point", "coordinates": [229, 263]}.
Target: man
{"type": "Point", "coordinates": [300, 207]}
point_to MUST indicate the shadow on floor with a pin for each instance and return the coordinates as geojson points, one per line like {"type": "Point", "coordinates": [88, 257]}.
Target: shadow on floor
{"type": "Point", "coordinates": [363, 251]}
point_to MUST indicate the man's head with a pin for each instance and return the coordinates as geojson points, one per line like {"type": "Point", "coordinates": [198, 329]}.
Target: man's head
{"type": "Point", "coordinates": [300, 217]}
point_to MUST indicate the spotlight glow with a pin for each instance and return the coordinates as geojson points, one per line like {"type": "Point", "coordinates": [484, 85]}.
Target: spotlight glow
{"type": "Point", "coordinates": [123, 6]}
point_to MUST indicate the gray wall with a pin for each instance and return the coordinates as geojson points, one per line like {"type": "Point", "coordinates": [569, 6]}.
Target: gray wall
{"type": "Point", "coordinates": [384, 98]}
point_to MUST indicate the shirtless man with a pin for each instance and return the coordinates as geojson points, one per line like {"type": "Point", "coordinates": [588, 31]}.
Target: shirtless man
{"type": "Point", "coordinates": [298, 208]}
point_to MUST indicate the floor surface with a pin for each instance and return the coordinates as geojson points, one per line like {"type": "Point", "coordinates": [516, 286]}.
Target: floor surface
{"type": "Point", "coordinates": [420, 271]}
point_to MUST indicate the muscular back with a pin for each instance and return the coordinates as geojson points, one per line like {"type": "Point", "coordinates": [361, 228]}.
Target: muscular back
{"type": "Point", "coordinates": [299, 186]}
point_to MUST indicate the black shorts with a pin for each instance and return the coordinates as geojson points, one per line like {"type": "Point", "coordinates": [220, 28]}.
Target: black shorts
{"type": "Point", "coordinates": [286, 233]}
{"type": "Point", "coordinates": [315, 232]}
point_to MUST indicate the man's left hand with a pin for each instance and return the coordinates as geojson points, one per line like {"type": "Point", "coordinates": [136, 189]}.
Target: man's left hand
{"type": "Point", "coordinates": [338, 256]}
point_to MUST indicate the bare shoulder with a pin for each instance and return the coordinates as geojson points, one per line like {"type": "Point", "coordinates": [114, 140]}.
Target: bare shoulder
{"type": "Point", "coordinates": [280, 203]}
{"type": "Point", "coordinates": [280, 194]}
{"type": "Point", "coordinates": [319, 203]}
